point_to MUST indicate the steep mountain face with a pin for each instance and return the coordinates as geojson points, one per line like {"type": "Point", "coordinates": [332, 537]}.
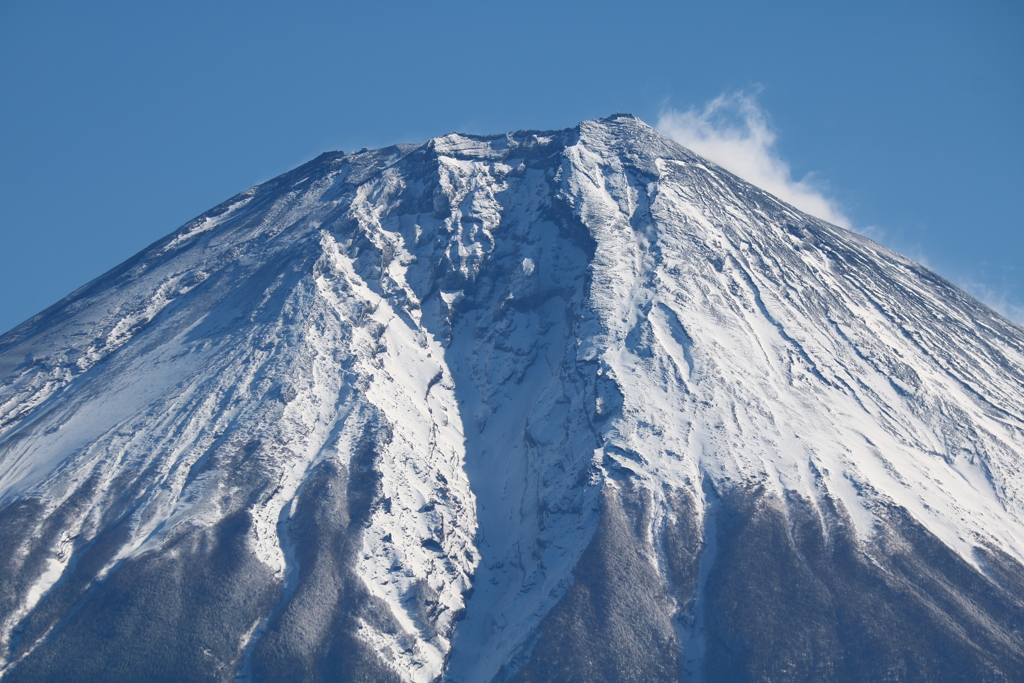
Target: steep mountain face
{"type": "Point", "coordinates": [573, 405]}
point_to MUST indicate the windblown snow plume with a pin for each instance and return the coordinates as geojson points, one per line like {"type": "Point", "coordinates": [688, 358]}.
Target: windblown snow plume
{"type": "Point", "coordinates": [733, 131]}
{"type": "Point", "coordinates": [570, 405]}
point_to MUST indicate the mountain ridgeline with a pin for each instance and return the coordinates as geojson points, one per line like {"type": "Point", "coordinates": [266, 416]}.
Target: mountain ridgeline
{"type": "Point", "coordinates": [547, 406]}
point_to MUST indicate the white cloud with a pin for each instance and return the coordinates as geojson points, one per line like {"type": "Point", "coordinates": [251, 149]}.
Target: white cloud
{"type": "Point", "coordinates": [733, 131]}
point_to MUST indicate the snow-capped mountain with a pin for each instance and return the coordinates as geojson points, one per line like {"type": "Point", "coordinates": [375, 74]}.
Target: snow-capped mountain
{"type": "Point", "coordinates": [571, 405]}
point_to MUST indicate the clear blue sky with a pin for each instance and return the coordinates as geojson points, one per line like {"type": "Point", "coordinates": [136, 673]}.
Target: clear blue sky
{"type": "Point", "coordinates": [122, 120]}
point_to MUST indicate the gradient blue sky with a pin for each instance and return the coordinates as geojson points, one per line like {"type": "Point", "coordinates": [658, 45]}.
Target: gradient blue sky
{"type": "Point", "coordinates": [122, 120]}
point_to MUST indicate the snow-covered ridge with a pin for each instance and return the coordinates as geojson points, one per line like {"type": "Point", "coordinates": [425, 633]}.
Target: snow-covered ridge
{"type": "Point", "coordinates": [510, 324]}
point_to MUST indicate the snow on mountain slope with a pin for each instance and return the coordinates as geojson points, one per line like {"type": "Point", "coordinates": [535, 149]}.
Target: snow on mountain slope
{"type": "Point", "coordinates": [815, 361]}
{"type": "Point", "coordinates": [424, 396]}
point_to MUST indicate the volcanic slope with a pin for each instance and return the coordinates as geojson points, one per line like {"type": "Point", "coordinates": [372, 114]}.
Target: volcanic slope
{"type": "Point", "coordinates": [573, 405]}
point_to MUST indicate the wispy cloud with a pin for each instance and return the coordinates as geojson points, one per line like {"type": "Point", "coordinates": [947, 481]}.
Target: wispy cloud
{"type": "Point", "coordinates": [734, 132]}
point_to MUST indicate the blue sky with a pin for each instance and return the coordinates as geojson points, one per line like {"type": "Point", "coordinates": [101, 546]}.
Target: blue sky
{"type": "Point", "coordinates": [121, 121]}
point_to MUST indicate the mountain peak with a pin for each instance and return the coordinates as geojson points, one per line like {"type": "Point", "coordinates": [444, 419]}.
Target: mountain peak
{"type": "Point", "coordinates": [548, 404]}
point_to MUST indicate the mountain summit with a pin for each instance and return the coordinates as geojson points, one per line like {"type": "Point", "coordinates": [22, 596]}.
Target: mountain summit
{"type": "Point", "coordinates": [574, 405]}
